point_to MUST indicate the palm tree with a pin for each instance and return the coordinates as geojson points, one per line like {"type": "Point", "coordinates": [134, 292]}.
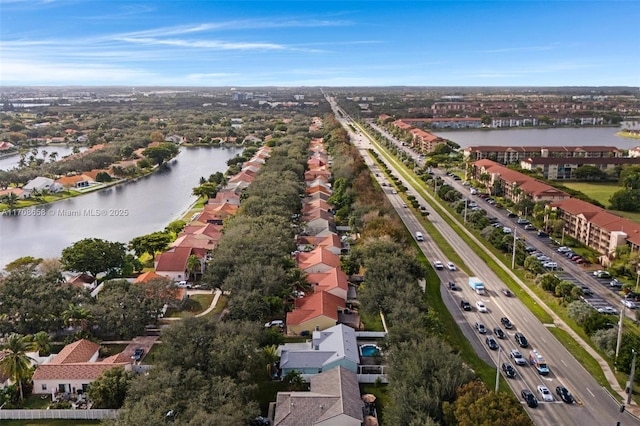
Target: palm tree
{"type": "Point", "coordinates": [53, 156]}
{"type": "Point", "coordinates": [77, 316]}
{"type": "Point", "coordinates": [11, 199]}
{"type": "Point", "coordinates": [193, 265]}
{"type": "Point", "coordinates": [16, 363]}
{"type": "Point", "coordinates": [41, 342]}
{"type": "Point", "coordinates": [270, 356]}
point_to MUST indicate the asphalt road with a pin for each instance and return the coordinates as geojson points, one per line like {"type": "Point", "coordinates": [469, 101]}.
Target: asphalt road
{"type": "Point", "coordinates": [595, 405]}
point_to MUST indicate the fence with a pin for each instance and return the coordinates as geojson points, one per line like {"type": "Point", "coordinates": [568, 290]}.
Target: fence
{"type": "Point", "coordinates": [57, 414]}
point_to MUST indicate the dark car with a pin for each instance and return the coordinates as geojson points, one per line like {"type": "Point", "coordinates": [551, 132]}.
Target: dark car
{"type": "Point", "coordinates": [507, 292]}
{"type": "Point", "coordinates": [506, 323]}
{"type": "Point", "coordinates": [137, 354]}
{"type": "Point", "coordinates": [499, 333]}
{"type": "Point", "coordinates": [465, 305]}
{"type": "Point", "coordinates": [508, 369]}
{"type": "Point", "coordinates": [522, 341]}
{"type": "Point", "coordinates": [542, 234]}
{"type": "Point", "coordinates": [491, 342]}
{"type": "Point", "coordinates": [452, 286]}
{"type": "Point", "coordinates": [529, 398]}
{"type": "Point", "coordinates": [512, 215]}
{"type": "Point", "coordinates": [565, 395]}
{"type": "Point", "coordinates": [586, 290]}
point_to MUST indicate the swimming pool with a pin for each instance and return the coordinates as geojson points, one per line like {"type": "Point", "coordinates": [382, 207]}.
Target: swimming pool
{"type": "Point", "coordinates": [369, 350]}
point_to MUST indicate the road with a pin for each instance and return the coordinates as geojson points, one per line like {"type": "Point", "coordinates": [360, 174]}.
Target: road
{"type": "Point", "coordinates": [595, 405]}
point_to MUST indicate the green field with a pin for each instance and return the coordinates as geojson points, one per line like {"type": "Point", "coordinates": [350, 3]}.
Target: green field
{"type": "Point", "coordinates": [601, 192]}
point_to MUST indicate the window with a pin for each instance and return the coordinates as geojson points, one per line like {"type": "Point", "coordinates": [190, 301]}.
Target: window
{"type": "Point", "coordinates": [44, 387]}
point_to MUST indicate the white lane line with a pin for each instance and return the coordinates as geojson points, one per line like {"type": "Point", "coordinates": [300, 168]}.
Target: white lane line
{"type": "Point", "coordinates": [590, 392]}
{"type": "Point", "coordinates": [565, 364]}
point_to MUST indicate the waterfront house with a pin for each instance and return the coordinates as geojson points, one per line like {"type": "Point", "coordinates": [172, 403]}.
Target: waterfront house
{"type": "Point", "coordinates": [40, 184]}
{"type": "Point", "coordinates": [173, 263]}
{"type": "Point", "coordinates": [75, 368]}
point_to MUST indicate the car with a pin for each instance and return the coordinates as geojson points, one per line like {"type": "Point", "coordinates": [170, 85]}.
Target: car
{"type": "Point", "coordinates": [507, 230]}
{"type": "Point", "coordinates": [393, 191]}
{"type": "Point", "coordinates": [137, 354]}
{"type": "Point", "coordinates": [404, 205]}
{"type": "Point", "coordinates": [452, 286]}
{"type": "Point", "coordinates": [545, 393]}
{"type": "Point", "coordinates": [543, 258]}
{"type": "Point", "coordinates": [575, 257]}
{"type": "Point", "coordinates": [183, 284]}
{"type": "Point", "coordinates": [563, 249]}
{"type": "Point", "coordinates": [481, 328]}
{"type": "Point", "coordinates": [550, 265]}
{"type": "Point", "coordinates": [582, 261]}
{"type": "Point", "coordinates": [466, 306]}
{"type": "Point", "coordinates": [506, 323]}
{"type": "Point", "coordinates": [601, 274]}
{"type": "Point", "coordinates": [507, 292]}
{"type": "Point", "coordinates": [451, 266]}
{"type": "Point", "coordinates": [522, 341]}
{"type": "Point", "coordinates": [608, 310]}
{"type": "Point", "coordinates": [491, 342]}
{"type": "Point", "coordinates": [586, 290]}
{"type": "Point", "coordinates": [569, 254]}
{"type": "Point", "coordinates": [615, 283]}
{"type": "Point", "coordinates": [522, 221]}
{"type": "Point", "coordinates": [517, 357]}
{"type": "Point", "coordinates": [529, 398]}
{"type": "Point", "coordinates": [508, 369]}
{"type": "Point", "coordinates": [529, 227]}
{"type": "Point", "coordinates": [481, 307]}
{"type": "Point", "coordinates": [499, 333]}
{"type": "Point", "coordinates": [438, 265]}
{"type": "Point", "coordinates": [629, 303]}
{"type": "Point", "coordinates": [511, 214]}
{"type": "Point", "coordinates": [542, 234]}
{"type": "Point", "coordinates": [564, 394]}
{"type": "Point", "coordinates": [274, 323]}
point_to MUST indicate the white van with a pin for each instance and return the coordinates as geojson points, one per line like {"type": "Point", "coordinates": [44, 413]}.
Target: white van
{"type": "Point", "coordinates": [419, 236]}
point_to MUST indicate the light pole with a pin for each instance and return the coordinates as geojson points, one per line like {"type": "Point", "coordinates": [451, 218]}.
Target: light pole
{"type": "Point", "coordinates": [631, 374]}
{"type": "Point", "coordinates": [638, 280]}
{"type": "Point", "coordinates": [466, 201]}
{"type": "Point", "coordinates": [498, 368]}
{"type": "Point", "coordinates": [513, 256]}
{"type": "Point", "coordinates": [619, 339]}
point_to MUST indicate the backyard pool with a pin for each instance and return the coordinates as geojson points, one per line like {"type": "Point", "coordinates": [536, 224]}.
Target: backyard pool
{"type": "Point", "coordinates": [369, 350]}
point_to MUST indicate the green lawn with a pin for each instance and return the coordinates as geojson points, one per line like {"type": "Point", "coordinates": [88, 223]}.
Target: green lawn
{"type": "Point", "coordinates": [601, 192]}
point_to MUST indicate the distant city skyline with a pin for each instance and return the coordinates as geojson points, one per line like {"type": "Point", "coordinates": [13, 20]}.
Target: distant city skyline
{"type": "Point", "coordinates": [329, 43]}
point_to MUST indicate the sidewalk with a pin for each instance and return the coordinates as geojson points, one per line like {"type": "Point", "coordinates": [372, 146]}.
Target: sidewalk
{"type": "Point", "coordinates": [211, 307]}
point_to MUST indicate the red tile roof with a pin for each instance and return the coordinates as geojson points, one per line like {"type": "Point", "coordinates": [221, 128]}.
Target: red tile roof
{"type": "Point", "coordinates": [147, 276]}
{"type": "Point", "coordinates": [80, 351]}
{"type": "Point", "coordinates": [318, 304]}
{"type": "Point", "coordinates": [173, 260]}
{"type": "Point", "coordinates": [317, 256]}
{"type": "Point", "coordinates": [329, 280]}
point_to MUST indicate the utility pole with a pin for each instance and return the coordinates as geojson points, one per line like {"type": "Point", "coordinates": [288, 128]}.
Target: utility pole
{"type": "Point", "coordinates": [466, 201]}
{"type": "Point", "coordinates": [638, 280]}
{"type": "Point", "coordinates": [619, 340]}
{"type": "Point", "coordinates": [498, 368]}
{"type": "Point", "coordinates": [513, 257]}
{"type": "Point", "coordinates": [631, 374]}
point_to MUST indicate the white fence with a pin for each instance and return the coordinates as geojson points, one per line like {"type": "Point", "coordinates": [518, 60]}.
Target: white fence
{"type": "Point", "coordinates": [57, 414]}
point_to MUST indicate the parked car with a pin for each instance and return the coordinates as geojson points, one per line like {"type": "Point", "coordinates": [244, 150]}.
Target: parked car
{"type": "Point", "coordinates": [466, 306]}
{"type": "Point", "coordinates": [608, 310]}
{"type": "Point", "coordinates": [274, 323]}
{"type": "Point", "coordinates": [137, 354]}
{"type": "Point", "coordinates": [517, 357]}
{"type": "Point", "coordinates": [491, 342]}
{"type": "Point", "coordinates": [542, 234]}
{"type": "Point", "coordinates": [508, 369]}
{"type": "Point", "coordinates": [601, 274]}
{"type": "Point", "coordinates": [565, 395]}
{"type": "Point", "coordinates": [563, 249]}
{"type": "Point", "coordinates": [615, 283]}
{"type": "Point", "coordinates": [481, 307]}
{"type": "Point", "coordinates": [522, 221]}
{"type": "Point", "coordinates": [481, 328]}
{"type": "Point", "coordinates": [183, 284]}
{"type": "Point", "coordinates": [499, 333]}
{"type": "Point", "coordinates": [586, 290]}
{"type": "Point", "coordinates": [522, 341]}
{"type": "Point", "coordinates": [545, 393]}
{"type": "Point", "coordinates": [629, 303]}
{"type": "Point", "coordinates": [529, 227]}
{"type": "Point", "coordinates": [529, 398]}
{"type": "Point", "coordinates": [506, 323]}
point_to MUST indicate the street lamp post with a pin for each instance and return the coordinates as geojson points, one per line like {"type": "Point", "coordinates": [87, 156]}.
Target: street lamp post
{"type": "Point", "coordinates": [513, 256]}
{"type": "Point", "coordinates": [466, 201]}
{"type": "Point", "coordinates": [638, 280]}
{"type": "Point", "coordinates": [498, 368]}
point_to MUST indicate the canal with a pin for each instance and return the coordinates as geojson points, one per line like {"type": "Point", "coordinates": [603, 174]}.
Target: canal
{"type": "Point", "coordinates": [118, 213]}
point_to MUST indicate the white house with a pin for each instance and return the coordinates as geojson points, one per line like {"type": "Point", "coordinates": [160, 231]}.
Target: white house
{"type": "Point", "coordinates": [40, 183]}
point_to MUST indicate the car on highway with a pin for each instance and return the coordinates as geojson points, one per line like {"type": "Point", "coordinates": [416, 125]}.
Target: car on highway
{"type": "Point", "coordinates": [481, 307]}
{"type": "Point", "coordinates": [491, 342]}
{"type": "Point", "coordinates": [545, 393]}
{"type": "Point", "coordinates": [529, 398]}
{"type": "Point", "coordinates": [565, 395]}
{"type": "Point", "coordinates": [517, 357]}
{"type": "Point", "coordinates": [451, 266]}
{"type": "Point", "coordinates": [506, 323]}
{"type": "Point", "coordinates": [137, 354]}
{"type": "Point", "coordinates": [499, 333]}
{"type": "Point", "coordinates": [393, 191]}
{"type": "Point", "coordinates": [452, 286]}
{"type": "Point", "coordinates": [508, 369]}
{"type": "Point", "coordinates": [507, 292]}
{"type": "Point", "coordinates": [466, 306]}
{"type": "Point", "coordinates": [404, 205]}
{"type": "Point", "coordinates": [438, 265]}
{"type": "Point", "coordinates": [481, 328]}
{"type": "Point", "coordinates": [522, 341]}
{"type": "Point", "coordinates": [629, 303]}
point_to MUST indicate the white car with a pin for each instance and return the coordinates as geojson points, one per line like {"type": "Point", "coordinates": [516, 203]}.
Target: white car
{"type": "Point", "coordinates": [451, 266]}
{"type": "Point", "coordinates": [507, 230]}
{"type": "Point", "coordinates": [629, 304]}
{"type": "Point", "coordinates": [517, 357]}
{"type": "Point", "coordinates": [438, 265]}
{"type": "Point", "coordinates": [545, 393]}
{"type": "Point", "coordinates": [481, 307]}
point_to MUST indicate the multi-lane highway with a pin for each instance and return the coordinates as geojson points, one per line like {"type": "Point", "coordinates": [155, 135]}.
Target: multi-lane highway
{"type": "Point", "coordinates": [595, 405]}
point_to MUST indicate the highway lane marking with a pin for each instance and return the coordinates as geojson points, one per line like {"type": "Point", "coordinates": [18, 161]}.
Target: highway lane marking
{"type": "Point", "coordinates": [565, 364]}
{"type": "Point", "coordinates": [588, 390]}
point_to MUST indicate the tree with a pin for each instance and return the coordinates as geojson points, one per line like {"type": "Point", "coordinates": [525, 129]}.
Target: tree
{"type": "Point", "coordinates": [589, 172]}
{"type": "Point", "coordinates": [207, 189]}
{"type": "Point", "coordinates": [110, 389]}
{"type": "Point", "coordinates": [625, 200]}
{"type": "Point", "coordinates": [76, 316]}
{"type": "Point", "coordinates": [161, 153]}
{"type": "Point", "coordinates": [150, 243]}
{"type": "Point", "coordinates": [175, 227]}
{"type": "Point", "coordinates": [11, 200]}
{"type": "Point", "coordinates": [103, 177]}
{"type": "Point", "coordinates": [122, 310]}
{"type": "Point", "coordinates": [16, 363]}
{"type": "Point", "coordinates": [41, 342]}
{"type": "Point", "coordinates": [193, 265]}
{"type": "Point", "coordinates": [93, 255]}
{"type": "Point", "coordinates": [25, 263]}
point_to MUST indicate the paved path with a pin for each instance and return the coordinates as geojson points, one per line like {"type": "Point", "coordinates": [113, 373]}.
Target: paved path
{"type": "Point", "coordinates": [211, 307]}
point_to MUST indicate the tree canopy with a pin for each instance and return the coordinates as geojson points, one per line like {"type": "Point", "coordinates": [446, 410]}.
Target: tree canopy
{"type": "Point", "coordinates": [93, 255]}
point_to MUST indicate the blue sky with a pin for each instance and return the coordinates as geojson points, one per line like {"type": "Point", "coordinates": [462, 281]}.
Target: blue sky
{"type": "Point", "coordinates": [319, 43]}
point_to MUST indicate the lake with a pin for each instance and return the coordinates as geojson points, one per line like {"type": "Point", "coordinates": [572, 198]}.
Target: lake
{"type": "Point", "coordinates": [11, 161]}
{"type": "Point", "coordinates": [132, 209]}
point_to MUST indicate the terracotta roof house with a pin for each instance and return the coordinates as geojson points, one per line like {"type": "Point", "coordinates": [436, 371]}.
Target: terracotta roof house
{"type": "Point", "coordinates": [331, 242]}
{"type": "Point", "coordinates": [318, 188]}
{"type": "Point", "coordinates": [316, 204]}
{"type": "Point", "coordinates": [319, 181]}
{"type": "Point", "coordinates": [17, 191]}
{"type": "Point", "coordinates": [225, 197]}
{"type": "Point", "coordinates": [334, 281]}
{"type": "Point", "coordinates": [93, 174]}
{"type": "Point", "coordinates": [200, 241]}
{"type": "Point", "coordinates": [243, 175]}
{"type": "Point", "coordinates": [318, 195]}
{"type": "Point", "coordinates": [211, 230]}
{"type": "Point", "coordinates": [318, 223]}
{"type": "Point", "coordinates": [74, 368]}
{"type": "Point", "coordinates": [77, 181]}
{"type": "Point", "coordinates": [216, 213]}
{"type": "Point", "coordinates": [317, 260]}
{"type": "Point", "coordinates": [173, 263]}
{"type": "Point", "coordinates": [178, 293]}
{"type": "Point", "coordinates": [316, 173]}
{"type": "Point", "coordinates": [334, 347]}
{"type": "Point", "coordinates": [333, 399]}
{"type": "Point", "coordinates": [83, 281]}
{"type": "Point", "coordinates": [146, 277]}
{"type": "Point", "coordinates": [319, 310]}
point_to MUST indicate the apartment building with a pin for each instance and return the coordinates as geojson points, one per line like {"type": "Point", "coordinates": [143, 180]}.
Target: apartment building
{"type": "Point", "coordinates": [516, 154]}
{"type": "Point", "coordinates": [564, 168]}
